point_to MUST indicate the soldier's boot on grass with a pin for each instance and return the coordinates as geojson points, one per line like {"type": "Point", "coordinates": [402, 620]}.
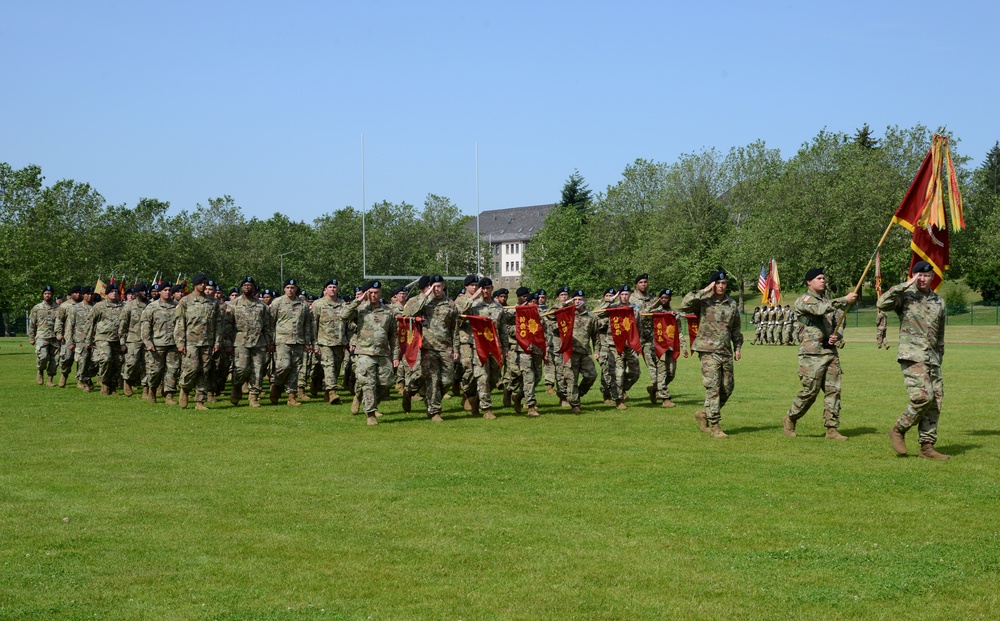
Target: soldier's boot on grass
{"type": "Point", "coordinates": [466, 404]}
{"type": "Point", "coordinates": [328, 395]}
{"type": "Point", "coordinates": [128, 389]}
{"type": "Point", "coordinates": [832, 433]}
{"type": "Point", "coordinates": [40, 378]}
{"type": "Point", "coordinates": [105, 391]}
{"type": "Point", "coordinates": [407, 401]}
{"type": "Point", "coordinates": [88, 386]}
{"type": "Point", "coordinates": [211, 397]}
{"type": "Point", "coordinates": [516, 398]}
{"type": "Point", "coordinates": [302, 396]}
{"type": "Point", "coordinates": [474, 405]}
{"type": "Point", "coordinates": [169, 399]}
{"type": "Point", "coordinates": [200, 405]}
{"type": "Point", "coordinates": [50, 383]}
{"type": "Point", "coordinates": [437, 418]}
{"type": "Point", "coordinates": [150, 394]}
{"type": "Point", "coordinates": [183, 399]}
{"type": "Point", "coordinates": [717, 431]}
{"type": "Point", "coordinates": [702, 421]}
{"type": "Point", "coordinates": [652, 394]}
{"type": "Point", "coordinates": [533, 412]}
{"type": "Point", "coordinates": [355, 405]}
{"type": "Point", "coordinates": [927, 452]}
{"type": "Point", "coordinates": [236, 394]}
{"type": "Point", "coordinates": [576, 409]}
{"type": "Point", "coordinates": [372, 420]}
{"type": "Point", "coordinates": [489, 415]}
{"type": "Point", "coordinates": [667, 403]}
{"type": "Point", "coordinates": [898, 439]}
{"type": "Point", "coordinates": [788, 426]}
{"type": "Point", "coordinates": [291, 399]}
{"type": "Point", "coordinates": [254, 401]}
{"type": "Point", "coordinates": [564, 403]}
{"type": "Point", "coordinates": [62, 380]}
{"type": "Point", "coordinates": [334, 398]}
{"type": "Point", "coordinates": [620, 405]}
{"type": "Point", "coordinates": [275, 394]}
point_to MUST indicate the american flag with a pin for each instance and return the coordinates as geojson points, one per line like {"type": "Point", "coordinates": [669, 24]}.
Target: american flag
{"type": "Point", "coordinates": [762, 283]}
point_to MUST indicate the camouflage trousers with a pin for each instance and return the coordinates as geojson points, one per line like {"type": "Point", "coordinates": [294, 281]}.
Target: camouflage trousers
{"type": "Point", "coordinates": [758, 334]}
{"type": "Point", "coordinates": [819, 372]}
{"type": "Point", "coordinates": [66, 357]}
{"type": "Point", "coordinates": [510, 367]}
{"type": "Point", "coordinates": [304, 378]}
{"type": "Point", "coordinates": [222, 366]}
{"type": "Point", "coordinates": [486, 378]}
{"type": "Point", "coordinates": [880, 337]}
{"type": "Point", "coordinates": [581, 366]}
{"type": "Point", "coordinates": [331, 357]}
{"type": "Point", "coordinates": [627, 371]}
{"type": "Point", "coordinates": [788, 338]}
{"type": "Point", "coordinates": [162, 368]}
{"type": "Point", "coordinates": [717, 378]}
{"type": "Point", "coordinates": [609, 388]}
{"type": "Point", "coordinates": [107, 355]}
{"type": "Point", "coordinates": [249, 366]}
{"type": "Point", "coordinates": [46, 355]}
{"type": "Point", "coordinates": [133, 365]}
{"type": "Point", "coordinates": [925, 387]}
{"type": "Point", "coordinates": [549, 366]}
{"type": "Point", "coordinates": [374, 378]}
{"type": "Point", "coordinates": [770, 333]}
{"type": "Point", "coordinates": [437, 371]}
{"type": "Point", "coordinates": [661, 369]}
{"type": "Point", "coordinates": [561, 376]}
{"type": "Point", "coordinates": [411, 377]}
{"type": "Point", "coordinates": [525, 380]}
{"type": "Point", "coordinates": [465, 356]}
{"type": "Point", "coordinates": [287, 363]}
{"type": "Point", "coordinates": [195, 366]}
{"type": "Point", "coordinates": [85, 368]}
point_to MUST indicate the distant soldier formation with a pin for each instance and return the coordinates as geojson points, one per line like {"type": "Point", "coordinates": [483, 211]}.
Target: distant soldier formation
{"type": "Point", "coordinates": [188, 344]}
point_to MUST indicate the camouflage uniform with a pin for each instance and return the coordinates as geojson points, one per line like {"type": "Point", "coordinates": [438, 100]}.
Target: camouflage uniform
{"type": "Point", "coordinates": [666, 365]}
{"type": "Point", "coordinates": [881, 327]}
{"type": "Point", "coordinates": [331, 337]}
{"type": "Point", "coordinates": [196, 332]}
{"type": "Point", "coordinates": [376, 348]}
{"type": "Point", "coordinates": [156, 327]}
{"type": "Point", "coordinates": [103, 339]}
{"type": "Point", "coordinates": [644, 304]}
{"type": "Point", "coordinates": [559, 369]}
{"type": "Point", "coordinates": [252, 336]}
{"type": "Point", "coordinates": [758, 326]}
{"type": "Point", "coordinates": [466, 380]}
{"type": "Point", "coordinates": [486, 376]}
{"type": "Point", "coordinates": [133, 367]}
{"type": "Point", "coordinates": [718, 337]}
{"type": "Point", "coordinates": [627, 369]}
{"type": "Point", "coordinates": [527, 368]}
{"type": "Point", "coordinates": [42, 333]}
{"type": "Point", "coordinates": [306, 366]}
{"type": "Point", "coordinates": [441, 339]}
{"type": "Point", "coordinates": [819, 362]}
{"type": "Point", "coordinates": [65, 354]}
{"type": "Point", "coordinates": [921, 351]}
{"type": "Point", "coordinates": [222, 361]}
{"type": "Point", "coordinates": [606, 352]}
{"type": "Point", "coordinates": [548, 365]}
{"type": "Point", "coordinates": [581, 363]}
{"type": "Point", "coordinates": [76, 339]}
{"type": "Point", "coordinates": [791, 316]}
{"type": "Point", "coordinates": [292, 328]}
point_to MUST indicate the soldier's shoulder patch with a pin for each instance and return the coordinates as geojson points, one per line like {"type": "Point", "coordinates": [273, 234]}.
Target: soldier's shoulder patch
{"type": "Point", "coordinates": [806, 298]}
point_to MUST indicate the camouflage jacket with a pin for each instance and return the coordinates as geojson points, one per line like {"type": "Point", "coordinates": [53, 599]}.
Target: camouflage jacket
{"type": "Point", "coordinates": [197, 322]}
{"type": "Point", "coordinates": [76, 324]}
{"type": "Point", "coordinates": [376, 329]}
{"type": "Point", "coordinates": [881, 320]}
{"type": "Point", "coordinates": [464, 329]}
{"type": "Point", "coordinates": [156, 324]}
{"type": "Point", "coordinates": [440, 321]}
{"type": "Point", "coordinates": [584, 331]}
{"type": "Point", "coordinates": [251, 320]}
{"type": "Point", "coordinates": [42, 321]}
{"type": "Point", "coordinates": [921, 323]}
{"type": "Point", "coordinates": [62, 318]}
{"type": "Point", "coordinates": [128, 329]}
{"type": "Point", "coordinates": [102, 325]}
{"type": "Point", "coordinates": [490, 309]}
{"type": "Point", "coordinates": [291, 321]}
{"type": "Point", "coordinates": [818, 316]}
{"type": "Point", "coordinates": [719, 322]}
{"type": "Point", "coordinates": [328, 323]}
{"type": "Point", "coordinates": [644, 304]}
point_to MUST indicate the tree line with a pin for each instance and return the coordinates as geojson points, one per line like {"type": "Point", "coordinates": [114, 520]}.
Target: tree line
{"type": "Point", "coordinates": [827, 206]}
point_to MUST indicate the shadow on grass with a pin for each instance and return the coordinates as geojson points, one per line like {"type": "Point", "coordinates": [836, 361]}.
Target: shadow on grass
{"type": "Point", "coordinates": [753, 429]}
{"type": "Point", "coordinates": [957, 449]}
{"type": "Point", "coordinates": [984, 432]}
{"type": "Point", "coordinates": [859, 431]}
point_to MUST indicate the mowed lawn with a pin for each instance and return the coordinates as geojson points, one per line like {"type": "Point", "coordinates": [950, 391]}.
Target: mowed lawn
{"type": "Point", "coordinates": [113, 508]}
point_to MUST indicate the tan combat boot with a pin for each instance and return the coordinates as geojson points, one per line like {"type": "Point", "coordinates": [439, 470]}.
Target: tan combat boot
{"type": "Point", "coordinates": [489, 415]}
{"type": "Point", "coordinates": [474, 405]}
{"type": "Point", "coordinates": [302, 396]}
{"type": "Point", "coordinates": [334, 398]}
{"type": "Point", "coordinates": [211, 397]}
{"type": "Point", "coordinates": [667, 403]}
{"type": "Point", "coordinates": [372, 420]}
{"type": "Point", "coordinates": [236, 394]}
{"type": "Point", "coordinates": [328, 395]}
{"type": "Point", "coordinates": [621, 405]}
{"type": "Point", "coordinates": [169, 399]}
{"type": "Point", "coordinates": [150, 395]}
{"type": "Point", "coordinates": [40, 378]}
{"type": "Point", "coordinates": [291, 399]}
{"type": "Point", "coordinates": [533, 412]}
{"type": "Point", "coordinates": [788, 426]}
{"type": "Point", "coordinates": [717, 431]}
{"type": "Point", "coordinates": [437, 418]}
{"type": "Point", "coordinates": [927, 452]}
{"type": "Point", "coordinates": [87, 386]}
{"type": "Point", "coordinates": [199, 405]}
{"type": "Point", "coordinates": [898, 440]}
{"type": "Point", "coordinates": [576, 409]}
{"type": "Point", "coordinates": [563, 403]}
{"type": "Point", "coordinates": [128, 389]}
{"type": "Point", "coordinates": [832, 433]}
{"type": "Point", "coordinates": [49, 382]}
{"type": "Point", "coordinates": [609, 401]}
{"type": "Point", "coordinates": [62, 380]}
{"type": "Point", "coordinates": [355, 405]}
{"type": "Point", "coordinates": [183, 399]}
{"type": "Point", "coordinates": [254, 401]}
{"type": "Point", "coordinates": [466, 404]}
{"type": "Point", "coordinates": [702, 421]}
{"type": "Point", "coordinates": [105, 391]}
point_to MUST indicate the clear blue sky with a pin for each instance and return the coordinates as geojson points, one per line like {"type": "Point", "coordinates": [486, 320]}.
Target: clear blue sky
{"type": "Point", "coordinates": [267, 101]}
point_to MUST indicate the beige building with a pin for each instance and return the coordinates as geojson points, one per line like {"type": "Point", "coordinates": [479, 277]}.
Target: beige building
{"type": "Point", "coordinates": [507, 232]}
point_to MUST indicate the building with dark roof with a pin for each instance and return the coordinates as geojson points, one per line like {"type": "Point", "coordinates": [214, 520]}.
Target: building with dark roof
{"type": "Point", "coordinates": [507, 233]}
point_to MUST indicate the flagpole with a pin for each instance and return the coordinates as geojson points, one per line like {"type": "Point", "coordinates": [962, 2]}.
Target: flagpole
{"type": "Point", "coordinates": [857, 287]}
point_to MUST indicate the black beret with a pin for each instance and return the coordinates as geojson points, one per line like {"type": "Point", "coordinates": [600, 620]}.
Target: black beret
{"type": "Point", "coordinates": [176, 288]}
{"type": "Point", "coordinates": [423, 281]}
{"type": "Point", "coordinates": [234, 290]}
{"type": "Point", "coordinates": [625, 289]}
{"type": "Point", "coordinates": [436, 278]}
{"type": "Point", "coordinates": [717, 275]}
{"type": "Point", "coordinates": [610, 291]}
{"type": "Point", "coordinates": [332, 281]}
{"type": "Point", "coordinates": [87, 289]}
{"type": "Point", "coordinates": [470, 279]}
{"type": "Point", "coordinates": [142, 287]}
{"type": "Point", "coordinates": [813, 273]}
{"type": "Point", "coordinates": [667, 292]}
{"type": "Point", "coordinates": [579, 294]}
{"type": "Point", "coordinates": [97, 297]}
{"type": "Point", "coordinates": [642, 277]}
{"type": "Point", "coordinates": [376, 284]}
{"type": "Point", "coordinates": [198, 279]}
{"type": "Point", "coordinates": [358, 289]}
{"type": "Point", "coordinates": [157, 286]}
{"type": "Point", "coordinates": [247, 279]}
{"type": "Point", "coordinates": [563, 289]}
{"type": "Point", "coordinates": [501, 291]}
{"type": "Point", "coordinates": [292, 281]}
{"type": "Point", "coordinates": [485, 282]}
{"type": "Point", "coordinates": [212, 283]}
{"type": "Point", "coordinates": [522, 291]}
{"type": "Point", "coordinates": [130, 290]}
{"type": "Point", "coordinates": [48, 288]}
{"type": "Point", "coordinates": [540, 292]}
{"type": "Point", "coordinates": [311, 298]}
{"type": "Point", "coordinates": [398, 290]}
{"type": "Point", "coordinates": [75, 289]}
{"type": "Point", "coordinates": [922, 266]}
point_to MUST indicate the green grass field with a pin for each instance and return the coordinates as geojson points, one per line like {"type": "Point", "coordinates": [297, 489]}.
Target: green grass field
{"type": "Point", "coordinates": [113, 508]}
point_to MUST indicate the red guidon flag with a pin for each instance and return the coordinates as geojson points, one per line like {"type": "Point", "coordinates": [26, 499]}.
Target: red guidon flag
{"type": "Point", "coordinates": [529, 328]}
{"type": "Point", "coordinates": [665, 334]}
{"type": "Point", "coordinates": [692, 322]}
{"type": "Point", "coordinates": [622, 328]}
{"type": "Point", "coordinates": [565, 318]}
{"type": "Point", "coordinates": [484, 331]}
{"type": "Point", "coordinates": [411, 338]}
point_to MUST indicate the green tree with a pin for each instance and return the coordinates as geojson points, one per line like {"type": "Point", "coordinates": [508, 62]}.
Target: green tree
{"type": "Point", "coordinates": [865, 138]}
{"type": "Point", "coordinates": [576, 193]}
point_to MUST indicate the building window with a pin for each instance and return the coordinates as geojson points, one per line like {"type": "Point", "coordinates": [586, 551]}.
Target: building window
{"type": "Point", "coordinates": [517, 266]}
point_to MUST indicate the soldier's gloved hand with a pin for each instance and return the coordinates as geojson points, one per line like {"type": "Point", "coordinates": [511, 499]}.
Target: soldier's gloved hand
{"type": "Point", "coordinates": [124, 348]}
